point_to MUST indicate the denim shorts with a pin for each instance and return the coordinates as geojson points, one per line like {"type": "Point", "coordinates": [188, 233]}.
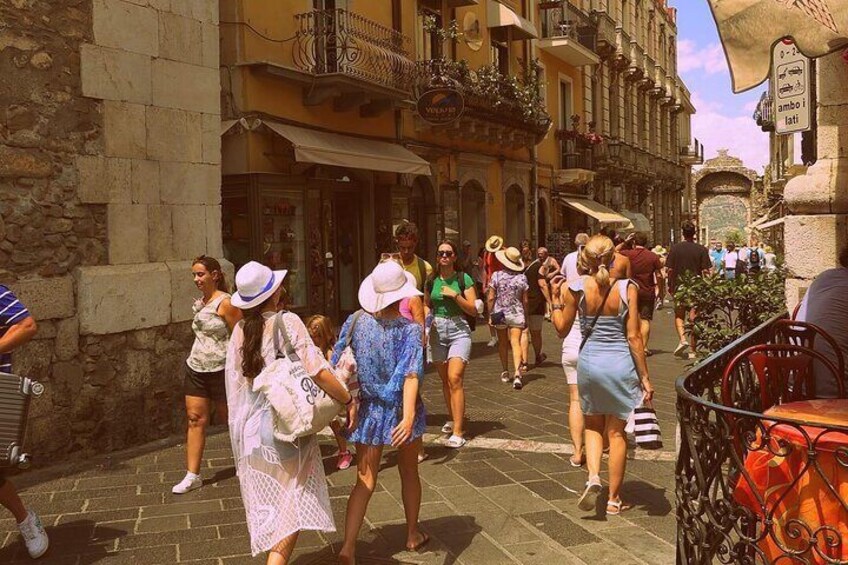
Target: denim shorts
{"type": "Point", "coordinates": [449, 338]}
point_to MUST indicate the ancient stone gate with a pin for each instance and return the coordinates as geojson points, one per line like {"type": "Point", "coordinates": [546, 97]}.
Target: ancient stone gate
{"type": "Point", "coordinates": [723, 189]}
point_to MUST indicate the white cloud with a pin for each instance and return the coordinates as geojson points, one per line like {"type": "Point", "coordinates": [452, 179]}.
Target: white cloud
{"type": "Point", "coordinates": [691, 58]}
{"type": "Point", "coordinates": [716, 128]}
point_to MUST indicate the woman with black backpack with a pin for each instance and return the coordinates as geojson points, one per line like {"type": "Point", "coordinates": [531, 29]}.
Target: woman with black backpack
{"type": "Point", "coordinates": [452, 298]}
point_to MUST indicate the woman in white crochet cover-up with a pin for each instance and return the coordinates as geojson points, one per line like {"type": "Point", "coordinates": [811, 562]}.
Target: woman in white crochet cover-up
{"type": "Point", "coordinates": [282, 484]}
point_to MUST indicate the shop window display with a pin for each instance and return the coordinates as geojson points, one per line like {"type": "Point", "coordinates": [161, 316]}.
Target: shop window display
{"type": "Point", "coordinates": [283, 245]}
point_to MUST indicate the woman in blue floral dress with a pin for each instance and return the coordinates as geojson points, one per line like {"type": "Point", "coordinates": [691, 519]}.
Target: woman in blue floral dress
{"type": "Point", "coordinates": [389, 360]}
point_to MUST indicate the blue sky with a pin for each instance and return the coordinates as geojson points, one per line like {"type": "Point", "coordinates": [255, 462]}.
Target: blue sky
{"type": "Point", "coordinates": [723, 119]}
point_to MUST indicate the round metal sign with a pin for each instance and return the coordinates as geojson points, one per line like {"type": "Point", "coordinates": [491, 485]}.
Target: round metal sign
{"type": "Point", "coordinates": [440, 106]}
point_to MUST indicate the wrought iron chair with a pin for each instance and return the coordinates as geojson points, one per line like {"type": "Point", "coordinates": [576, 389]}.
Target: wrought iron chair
{"type": "Point", "coordinates": [794, 332]}
{"type": "Point", "coordinates": [796, 310]}
{"type": "Point", "coordinates": [773, 374]}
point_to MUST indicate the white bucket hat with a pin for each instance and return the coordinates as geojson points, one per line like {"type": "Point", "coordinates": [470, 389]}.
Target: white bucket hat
{"type": "Point", "coordinates": [255, 283]}
{"type": "Point", "coordinates": [387, 284]}
{"type": "Point", "coordinates": [510, 258]}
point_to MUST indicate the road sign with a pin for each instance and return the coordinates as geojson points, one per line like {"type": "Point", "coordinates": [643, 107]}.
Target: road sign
{"type": "Point", "coordinates": [790, 83]}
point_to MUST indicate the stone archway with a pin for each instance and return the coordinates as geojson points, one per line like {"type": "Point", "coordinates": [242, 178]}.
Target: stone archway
{"type": "Point", "coordinates": [723, 190]}
{"type": "Point", "coordinates": [515, 210]}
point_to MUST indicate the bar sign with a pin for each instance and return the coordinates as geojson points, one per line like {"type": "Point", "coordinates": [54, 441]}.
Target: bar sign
{"type": "Point", "coordinates": [790, 83]}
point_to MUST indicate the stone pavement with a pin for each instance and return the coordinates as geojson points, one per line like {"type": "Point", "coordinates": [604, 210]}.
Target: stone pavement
{"type": "Point", "coordinates": [507, 497]}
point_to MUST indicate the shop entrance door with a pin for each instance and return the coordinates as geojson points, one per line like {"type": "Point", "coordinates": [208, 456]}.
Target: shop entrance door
{"type": "Point", "coordinates": [343, 252]}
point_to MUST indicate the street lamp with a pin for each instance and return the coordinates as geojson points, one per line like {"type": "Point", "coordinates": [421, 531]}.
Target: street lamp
{"type": "Point", "coordinates": [614, 146]}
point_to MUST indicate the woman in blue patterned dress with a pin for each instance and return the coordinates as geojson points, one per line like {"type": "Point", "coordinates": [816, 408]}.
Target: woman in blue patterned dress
{"type": "Point", "coordinates": [612, 373]}
{"type": "Point", "coordinates": [389, 359]}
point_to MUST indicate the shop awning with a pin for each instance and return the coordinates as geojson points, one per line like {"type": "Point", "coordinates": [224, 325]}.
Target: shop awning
{"type": "Point", "coordinates": [339, 150]}
{"type": "Point", "coordinates": [595, 210]}
{"type": "Point", "coordinates": [638, 222]}
{"type": "Point", "coordinates": [502, 16]}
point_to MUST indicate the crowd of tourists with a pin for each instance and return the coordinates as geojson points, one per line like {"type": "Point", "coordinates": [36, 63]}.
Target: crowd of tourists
{"type": "Point", "coordinates": [600, 299]}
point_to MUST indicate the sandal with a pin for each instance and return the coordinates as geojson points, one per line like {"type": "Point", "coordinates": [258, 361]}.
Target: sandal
{"type": "Point", "coordinates": [579, 462]}
{"type": "Point", "coordinates": [618, 507]}
{"type": "Point", "coordinates": [455, 442]}
{"type": "Point", "coordinates": [345, 460]}
{"type": "Point", "coordinates": [589, 498]}
{"type": "Point", "coordinates": [505, 378]}
{"type": "Point", "coordinates": [423, 456]}
{"type": "Point", "coordinates": [523, 368]}
{"type": "Point", "coordinates": [417, 547]}
{"type": "Point", "coordinates": [541, 359]}
{"type": "Point", "coordinates": [447, 429]}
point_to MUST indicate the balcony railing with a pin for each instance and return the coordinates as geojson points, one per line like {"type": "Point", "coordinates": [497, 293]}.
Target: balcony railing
{"type": "Point", "coordinates": [343, 43]}
{"type": "Point", "coordinates": [489, 96]}
{"type": "Point", "coordinates": [764, 114]}
{"type": "Point", "coordinates": [562, 19]}
{"type": "Point", "coordinates": [575, 153]}
{"type": "Point", "coordinates": [724, 512]}
{"type": "Point", "coordinates": [692, 154]}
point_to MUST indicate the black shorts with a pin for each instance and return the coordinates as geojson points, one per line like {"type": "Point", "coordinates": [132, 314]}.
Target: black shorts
{"type": "Point", "coordinates": [205, 385]}
{"type": "Point", "coordinates": [646, 307]}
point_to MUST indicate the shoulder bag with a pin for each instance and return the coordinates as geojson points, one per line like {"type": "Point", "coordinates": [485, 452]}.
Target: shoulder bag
{"type": "Point", "coordinates": [591, 327]}
{"type": "Point", "coordinates": [301, 407]}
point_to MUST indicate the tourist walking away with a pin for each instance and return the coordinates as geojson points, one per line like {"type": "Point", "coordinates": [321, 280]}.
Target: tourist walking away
{"type": "Point", "coordinates": [282, 483]}
{"type": "Point", "coordinates": [717, 257]}
{"type": "Point", "coordinates": [612, 372]}
{"type": "Point", "coordinates": [744, 253]}
{"type": "Point", "coordinates": [769, 260]}
{"type": "Point", "coordinates": [755, 260]}
{"type": "Point", "coordinates": [507, 299]}
{"type": "Point", "coordinates": [662, 285]}
{"type": "Point", "coordinates": [826, 305]}
{"type": "Point", "coordinates": [490, 266]}
{"type": "Point", "coordinates": [321, 333]}
{"type": "Point", "coordinates": [203, 385]}
{"type": "Point", "coordinates": [549, 269]}
{"type": "Point", "coordinates": [685, 257]}
{"type": "Point", "coordinates": [570, 352]}
{"type": "Point", "coordinates": [17, 328]}
{"type": "Point", "coordinates": [730, 262]}
{"type": "Point", "coordinates": [452, 297]}
{"type": "Point", "coordinates": [647, 274]}
{"type": "Point", "coordinates": [537, 287]}
{"type": "Point", "coordinates": [389, 357]}
{"type": "Point", "coordinates": [406, 239]}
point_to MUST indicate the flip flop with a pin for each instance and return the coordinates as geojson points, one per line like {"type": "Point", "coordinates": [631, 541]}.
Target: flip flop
{"type": "Point", "coordinates": [619, 507]}
{"type": "Point", "coordinates": [589, 497]}
{"type": "Point", "coordinates": [425, 539]}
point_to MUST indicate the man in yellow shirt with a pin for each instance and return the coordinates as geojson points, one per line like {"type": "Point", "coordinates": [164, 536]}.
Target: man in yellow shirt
{"type": "Point", "coordinates": [406, 237]}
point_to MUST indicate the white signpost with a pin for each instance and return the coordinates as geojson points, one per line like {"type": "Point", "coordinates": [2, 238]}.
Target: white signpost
{"type": "Point", "coordinates": [790, 82]}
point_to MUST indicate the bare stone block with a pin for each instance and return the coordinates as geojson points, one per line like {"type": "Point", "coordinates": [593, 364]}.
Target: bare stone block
{"type": "Point", "coordinates": [113, 74]}
{"type": "Point", "coordinates": [126, 230]}
{"type": "Point", "coordinates": [186, 86]}
{"type": "Point", "coordinates": [190, 183]}
{"type": "Point", "coordinates": [189, 225]}
{"type": "Point", "coordinates": [813, 242]}
{"type": "Point", "coordinates": [145, 181]}
{"type": "Point", "coordinates": [173, 135]}
{"type": "Point", "coordinates": [67, 339]}
{"type": "Point", "coordinates": [202, 10]}
{"type": "Point", "coordinates": [211, 128]}
{"type": "Point", "coordinates": [46, 298]}
{"type": "Point", "coordinates": [120, 298]}
{"type": "Point", "coordinates": [830, 91]}
{"type": "Point", "coordinates": [126, 26]}
{"type": "Point", "coordinates": [211, 46]}
{"type": "Point", "coordinates": [832, 132]}
{"type": "Point", "coordinates": [183, 290]}
{"type": "Point", "coordinates": [103, 180]}
{"type": "Point", "coordinates": [124, 129]}
{"type": "Point", "coordinates": [214, 242]}
{"type": "Point", "coordinates": [795, 291]}
{"type": "Point", "coordinates": [180, 38]}
{"type": "Point", "coordinates": [161, 233]}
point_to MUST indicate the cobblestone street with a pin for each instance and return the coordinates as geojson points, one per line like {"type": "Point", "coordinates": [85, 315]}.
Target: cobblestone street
{"type": "Point", "coordinates": [507, 497]}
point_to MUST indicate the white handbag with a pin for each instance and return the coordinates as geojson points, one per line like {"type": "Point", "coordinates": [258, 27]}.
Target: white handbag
{"type": "Point", "coordinates": [301, 407]}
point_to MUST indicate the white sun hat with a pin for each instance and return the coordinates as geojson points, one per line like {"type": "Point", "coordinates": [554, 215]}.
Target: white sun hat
{"type": "Point", "coordinates": [510, 258]}
{"type": "Point", "coordinates": [255, 283]}
{"type": "Point", "coordinates": [388, 283]}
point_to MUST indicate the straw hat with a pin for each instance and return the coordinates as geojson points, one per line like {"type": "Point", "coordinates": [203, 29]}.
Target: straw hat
{"type": "Point", "coordinates": [510, 258]}
{"type": "Point", "coordinates": [659, 250]}
{"type": "Point", "coordinates": [255, 283]}
{"type": "Point", "coordinates": [388, 283]}
{"type": "Point", "coordinates": [494, 243]}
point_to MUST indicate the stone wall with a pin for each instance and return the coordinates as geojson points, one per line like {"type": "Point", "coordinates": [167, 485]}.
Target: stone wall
{"type": "Point", "coordinates": [109, 186]}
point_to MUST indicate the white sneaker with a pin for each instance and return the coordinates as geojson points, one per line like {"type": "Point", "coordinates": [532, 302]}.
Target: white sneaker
{"type": "Point", "coordinates": [682, 349]}
{"type": "Point", "coordinates": [35, 537]}
{"type": "Point", "coordinates": [188, 484]}
{"type": "Point", "coordinates": [492, 342]}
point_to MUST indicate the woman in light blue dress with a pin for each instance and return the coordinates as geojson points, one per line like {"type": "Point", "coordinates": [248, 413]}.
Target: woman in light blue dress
{"type": "Point", "coordinates": [390, 364]}
{"type": "Point", "coordinates": [612, 373]}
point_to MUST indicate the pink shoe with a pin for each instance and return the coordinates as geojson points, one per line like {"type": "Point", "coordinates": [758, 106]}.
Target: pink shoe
{"type": "Point", "coordinates": [345, 460]}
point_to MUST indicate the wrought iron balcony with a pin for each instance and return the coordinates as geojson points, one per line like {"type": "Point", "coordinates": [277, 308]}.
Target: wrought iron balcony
{"type": "Point", "coordinates": [607, 37]}
{"type": "Point", "coordinates": [568, 33]}
{"type": "Point", "coordinates": [692, 154]}
{"type": "Point", "coordinates": [501, 109]}
{"type": "Point", "coordinates": [764, 114]}
{"type": "Point", "coordinates": [342, 47]}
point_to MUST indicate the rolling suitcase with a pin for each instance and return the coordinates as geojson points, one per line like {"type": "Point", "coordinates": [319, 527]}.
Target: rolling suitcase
{"type": "Point", "coordinates": [15, 396]}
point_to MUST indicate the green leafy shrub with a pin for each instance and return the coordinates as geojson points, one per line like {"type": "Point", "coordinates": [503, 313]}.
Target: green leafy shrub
{"type": "Point", "coordinates": [728, 309]}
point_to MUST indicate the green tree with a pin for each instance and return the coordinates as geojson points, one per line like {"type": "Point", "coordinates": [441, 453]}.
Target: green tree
{"type": "Point", "coordinates": [735, 236]}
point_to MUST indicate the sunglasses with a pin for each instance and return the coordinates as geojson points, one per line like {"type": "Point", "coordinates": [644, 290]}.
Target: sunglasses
{"type": "Point", "coordinates": [445, 253]}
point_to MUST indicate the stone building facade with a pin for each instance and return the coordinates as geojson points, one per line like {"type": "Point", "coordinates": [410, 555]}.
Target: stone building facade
{"type": "Point", "coordinates": [109, 186]}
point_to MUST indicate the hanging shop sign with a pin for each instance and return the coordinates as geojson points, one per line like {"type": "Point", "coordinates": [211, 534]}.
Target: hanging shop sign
{"type": "Point", "coordinates": [440, 106]}
{"type": "Point", "coordinates": [790, 81]}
